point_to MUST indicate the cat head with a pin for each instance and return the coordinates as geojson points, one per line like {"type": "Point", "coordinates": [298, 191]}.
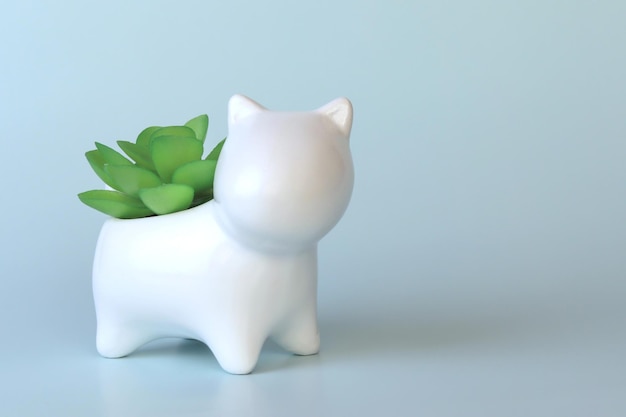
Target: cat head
{"type": "Point", "coordinates": [284, 179]}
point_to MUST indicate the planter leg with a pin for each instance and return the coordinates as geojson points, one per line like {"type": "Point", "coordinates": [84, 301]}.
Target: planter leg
{"type": "Point", "coordinates": [116, 341]}
{"type": "Point", "coordinates": [300, 334]}
{"type": "Point", "coordinates": [237, 354]}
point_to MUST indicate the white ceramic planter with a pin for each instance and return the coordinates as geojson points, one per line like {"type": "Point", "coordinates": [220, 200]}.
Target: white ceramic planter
{"type": "Point", "coordinates": [242, 267]}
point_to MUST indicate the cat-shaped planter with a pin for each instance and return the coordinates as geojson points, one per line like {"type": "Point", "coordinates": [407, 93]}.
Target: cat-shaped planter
{"type": "Point", "coordinates": [242, 267]}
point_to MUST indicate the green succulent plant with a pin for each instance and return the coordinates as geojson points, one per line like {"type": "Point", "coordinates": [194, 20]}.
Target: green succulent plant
{"type": "Point", "coordinates": [164, 172]}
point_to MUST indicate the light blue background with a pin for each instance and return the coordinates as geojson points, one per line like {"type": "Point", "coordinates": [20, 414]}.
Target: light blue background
{"type": "Point", "coordinates": [479, 270]}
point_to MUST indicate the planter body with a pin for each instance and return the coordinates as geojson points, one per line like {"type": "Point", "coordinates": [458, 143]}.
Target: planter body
{"type": "Point", "coordinates": [242, 267]}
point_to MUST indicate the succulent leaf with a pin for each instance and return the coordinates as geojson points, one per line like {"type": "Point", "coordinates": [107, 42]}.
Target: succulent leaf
{"type": "Point", "coordinates": [139, 154]}
{"type": "Point", "coordinates": [170, 152]}
{"type": "Point", "coordinates": [132, 178]}
{"type": "Point", "coordinates": [111, 156]}
{"type": "Point", "coordinates": [167, 198]}
{"type": "Point", "coordinates": [178, 131]}
{"type": "Point", "coordinates": [200, 125]}
{"type": "Point", "coordinates": [115, 204]}
{"type": "Point", "coordinates": [97, 162]}
{"type": "Point", "coordinates": [215, 153]}
{"type": "Point", "coordinates": [196, 174]}
{"type": "Point", "coordinates": [143, 139]}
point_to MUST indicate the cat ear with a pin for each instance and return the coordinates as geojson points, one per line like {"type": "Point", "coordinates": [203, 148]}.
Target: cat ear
{"type": "Point", "coordinates": [340, 112]}
{"type": "Point", "coordinates": [240, 106]}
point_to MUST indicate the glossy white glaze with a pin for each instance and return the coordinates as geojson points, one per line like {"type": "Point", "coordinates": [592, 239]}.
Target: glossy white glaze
{"type": "Point", "coordinates": [242, 267]}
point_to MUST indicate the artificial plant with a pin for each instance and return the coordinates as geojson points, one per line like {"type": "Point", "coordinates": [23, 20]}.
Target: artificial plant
{"type": "Point", "coordinates": [165, 173]}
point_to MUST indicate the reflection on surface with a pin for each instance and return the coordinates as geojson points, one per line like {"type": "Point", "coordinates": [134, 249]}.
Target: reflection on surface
{"type": "Point", "coordinates": [181, 377]}
{"type": "Point", "coordinates": [366, 363]}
